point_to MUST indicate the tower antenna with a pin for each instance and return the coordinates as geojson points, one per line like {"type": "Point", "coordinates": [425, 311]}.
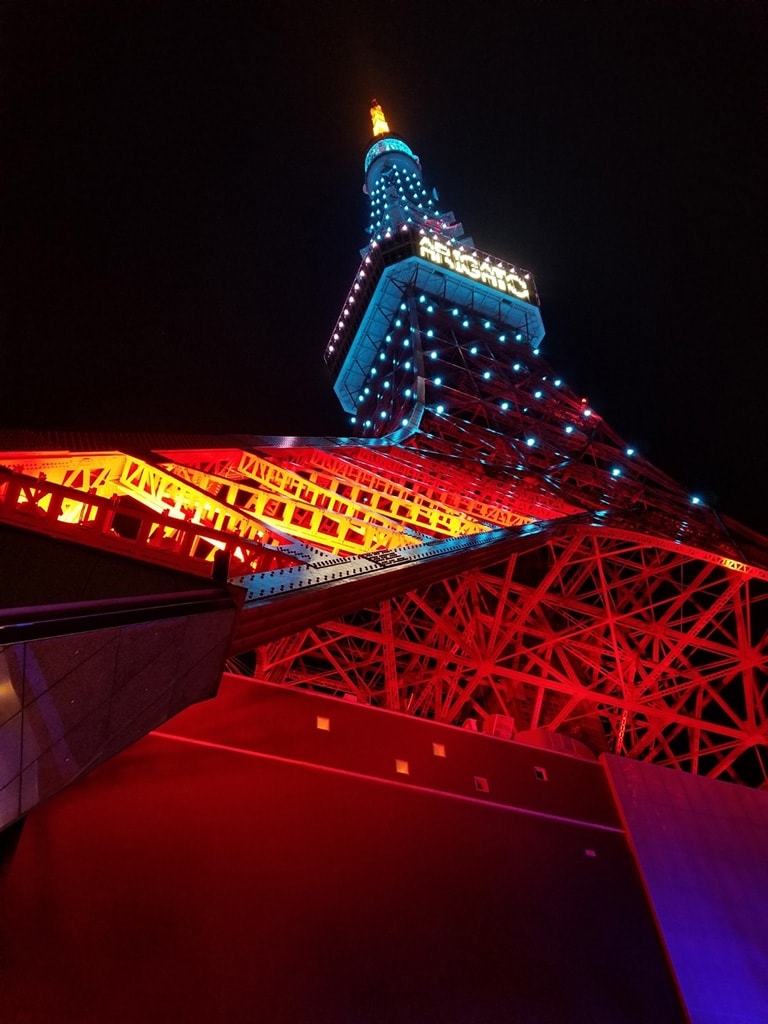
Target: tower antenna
{"type": "Point", "coordinates": [380, 126]}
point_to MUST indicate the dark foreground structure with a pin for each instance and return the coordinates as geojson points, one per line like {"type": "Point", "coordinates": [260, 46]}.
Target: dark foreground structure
{"type": "Point", "coordinates": [491, 740]}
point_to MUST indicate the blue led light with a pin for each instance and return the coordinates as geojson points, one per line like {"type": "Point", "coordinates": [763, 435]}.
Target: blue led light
{"type": "Point", "coordinates": [405, 422]}
{"type": "Point", "coordinates": [502, 337]}
{"type": "Point", "coordinates": [433, 355]}
{"type": "Point", "coordinates": [398, 323]}
{"type": "Point", "coordinates": [353, 419]}
{"type": "Point", "coordinates": [535, 351]}
{"type": "Point", "coordinates": [465, 323]}
{"type": "Point", "coordinates": [505, 406]}
{"type": "Point", "coordinates": [569, 429]}
{"type": "Point", "coordinates": [438, 381]}
{"type": "Point", "coordinates": [430, 333]}
{"type": "Point", "coordinates": [537, 394]}
{"type": "Point", "coordinates": [407, 392]}
{"type": "Point", "coordinates": [630, 451]}
{"type": "Point", "coordinates": [383, 414]}
{"type": "Point", "coordinates": [487, 375]}
{"type": "Point", "coordinates": [530, 441]}
{"type": "Point", "coordinates": [441, 409]}
{"type": "Point", "coordinates": [487, 324]}
{"type": "Point", "coordinates": [386, 384]}
{"type": "Point", "coordinates": [516, 366]}
{"type": "Point", "coordinates": [557, 382]}
{"type": "Point", "coordinates": [615, 471]}
{"type": "Point", "coordinates": [473, 350]}
{"type": "Point", "coordinates": [695, 500]}
{"type": "Point", "coordinates": [518, 337]}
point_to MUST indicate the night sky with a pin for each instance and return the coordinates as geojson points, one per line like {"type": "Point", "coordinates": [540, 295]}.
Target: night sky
{"type": "Point", "coordinates": [182, 207]}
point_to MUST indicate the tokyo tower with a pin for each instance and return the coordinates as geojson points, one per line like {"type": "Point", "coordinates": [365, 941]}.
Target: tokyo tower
{"type": "Point", "coordinates": [531, 567]}
{"type": "Point", "coordinates": [483, 560]}
{"type": "Point", "coordinates": [482, 551]}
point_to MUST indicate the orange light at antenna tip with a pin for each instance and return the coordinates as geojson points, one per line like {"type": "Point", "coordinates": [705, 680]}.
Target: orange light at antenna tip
{"type": "Point", "coordinates": [380, 126]}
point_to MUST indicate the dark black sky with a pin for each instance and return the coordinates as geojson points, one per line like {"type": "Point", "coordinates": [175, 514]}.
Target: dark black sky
{"type": "Point", "coordinates": [182, 206]}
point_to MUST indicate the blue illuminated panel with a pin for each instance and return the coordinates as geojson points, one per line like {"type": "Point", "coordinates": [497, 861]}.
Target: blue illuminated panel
{"type": "Point", "coordinates": [702, 848]}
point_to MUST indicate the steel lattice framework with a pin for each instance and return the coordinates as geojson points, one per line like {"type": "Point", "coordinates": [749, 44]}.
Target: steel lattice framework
{"type": "Point", "coordinates": [484, 546]}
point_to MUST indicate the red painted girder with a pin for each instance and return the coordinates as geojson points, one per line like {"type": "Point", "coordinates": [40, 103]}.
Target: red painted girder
{"type": "Point", "coordinates": [293, 599]}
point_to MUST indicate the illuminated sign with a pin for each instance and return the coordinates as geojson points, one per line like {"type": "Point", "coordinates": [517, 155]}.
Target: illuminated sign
{"type": "Point", "coordinates": [482, 270]}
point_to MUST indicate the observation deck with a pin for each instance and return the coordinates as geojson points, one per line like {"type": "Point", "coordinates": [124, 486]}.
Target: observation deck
{"type": "Point", "coordinates": [412, 260]}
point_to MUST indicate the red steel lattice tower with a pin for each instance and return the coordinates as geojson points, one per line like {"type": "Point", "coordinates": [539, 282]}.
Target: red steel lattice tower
{"type": "Point", "coordinates": [484, 551]}
{"type": "Point", "coordinates": [599, 600]}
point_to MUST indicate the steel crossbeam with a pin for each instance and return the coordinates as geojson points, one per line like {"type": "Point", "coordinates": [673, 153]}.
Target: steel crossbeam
{"type": "Point", "coordinates": [681, 678]}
